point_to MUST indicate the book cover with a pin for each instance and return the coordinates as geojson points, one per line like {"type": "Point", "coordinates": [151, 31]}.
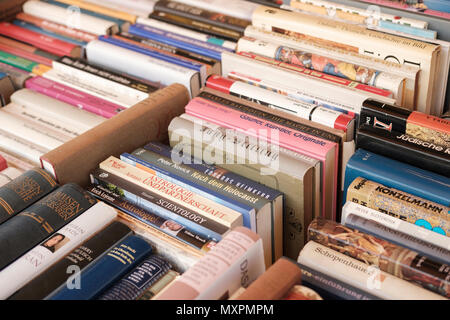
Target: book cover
{"type": "Point", "coordinates": [40, 220]}
{"type": "Point", "coordinates": [108, 269]}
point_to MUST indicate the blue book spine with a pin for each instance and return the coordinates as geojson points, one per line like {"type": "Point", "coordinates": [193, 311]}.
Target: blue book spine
{"type": "Point", "coordinates": [193, 186]}
{"type": "Point", "coordinates": [179, 41]}
{"type": "Point", "coordinates": [34, 28]}
{"type": "Point", "coordinates": [429, 34]}
{"type": "Point", "coordinates": [138, 280]}
{"type": "Point", "coordinates": [398, 175]}
{"type": "Point", "coordinates": [123, 25]}
{"type": "Point", "coordinates": [215, 171]}
{"type": "Point", "coordinates": [112, 266]}
{"type": "Point", "coordinates": [155, 54]}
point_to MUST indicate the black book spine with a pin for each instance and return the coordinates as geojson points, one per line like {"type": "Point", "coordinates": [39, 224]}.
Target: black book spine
{"type": "Point", "coordinates": [205, 16]}
{"type": "Point", "coordinates": [114, 199]}
{"type": "Point", "coordinates": [31, 226]}
{"type": "Point", "coordinates": [23, 191]}
{"type": "Point", "coordinates": [401, 147]}
{"type": "Point", "coordinates": [80, 258]}
{"type": "Point", "coordinates": [83, 65]}
{"type": "Point", "coordinates": [138, 280]}
{"type": "Point", "coordinates": [270, 117]}
{"type": "Point", "coordinates": [383, 116]}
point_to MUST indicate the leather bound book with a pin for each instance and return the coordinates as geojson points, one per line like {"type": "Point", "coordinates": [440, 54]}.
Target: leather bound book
{"type": "Point", "coordinates": [132, 128]}
{"type": "Point", "coordinates": [275, 283]}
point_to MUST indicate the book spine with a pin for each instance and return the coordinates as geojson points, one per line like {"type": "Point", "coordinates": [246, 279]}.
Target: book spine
{"type": "Point", "coordinates": [158, 55]}
{"type": "Point", "coordinates": [162, 283]}
{"type": "Point", "coordinates": [21, 148]}
{"type": "Point", "coordinates": [429, 128]}
{"type": "Point", "coordinates": [400, 238]}
{"type": "Point", "coordinates": [41, 219]}
{"type": "Point", "coordinates": [205, 207]}
{"type": "Point", "coordinates": [327, 117]}
{"type": "Point", "coordinates": [17, 76]}
{"type": "Point", "coordinates": [26, 47]}
{"type": "Point", "coordinates": [84, 255]}
{"type": "Point", "coordinates": [323, 64]}
{"type": "Point", "coordinates": [188, 33]}
{"type": "Point", "coordinates": [74, 97]}
{"type": "Point", "coordinates": [214, 171]}
{"type": "Point", "coordinates": [24, 191]}
{"type": "Point", "coordinates": [401, 147]}
{"type": "Point", "coordinates": [216, 19]}
{"type": "Point", "coordinates": [197, 182]}
{"type": "Point", "coordinates": [43, 42]}
{"type": "Point", "coordinates": [62, 29]}
{"type": "Point", "coordinates": [18, 62]}
{"type": "Point", "coordinates": [218, 273]}
{"type": "Point", "coordinates": [349, 84]}
{"type": "Point", "coordinates": [16, 162]}
{"type": "Point", "coordinates": [25, 55]}
{"type": "Point", "coordinates": [3, 163]}
{"type": "Point", "coordinates": [119, 82]}
{"type": "Point", "coordinates": [162, 207]}
{"type": "Point", "coordinates": [108, 269]}
{"type": "Point", "coordinates": [9, 174]}
{"type": "Point", "coordinates": [367, 278]}
{"type": "Point", "coordinates": [399, 261]}
{"type": "Point", "coordinates": [399, 204]}
{"type": "Point", "coordinates": [135, 283]}
{"type": "Point", "coordinates": [179, 41]}
{"type": "Point", "coordinates": [383, 116]}
{"type": "Point", "coordinates": [296, 94]}
{"type": "Point", "coordinates": [54, 248]}
{"type": "Point", "coordinates": [183, 234]}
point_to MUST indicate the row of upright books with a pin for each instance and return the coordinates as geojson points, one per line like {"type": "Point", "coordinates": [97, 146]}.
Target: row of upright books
{"type": "Point", "coordinates": [210, 149]}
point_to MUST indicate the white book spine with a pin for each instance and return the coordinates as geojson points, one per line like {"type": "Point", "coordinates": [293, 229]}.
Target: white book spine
{"type": "Point", "coordinates": [30, 131]}
{"type": "Point", "coordinates": [139, 65]}
{"type": "Point", "coordinates": [21, 148]}
{"type": "Point", "coordinates": [119, 89]}
{"type": "Point", "coordinates": [141, 8]}
{"type": "Point", "coordinates": [58, 245]}
{"type": "Point", "coordinates": [234, 8]}
{"type": "Point", "coordinates": [9, 174]}
{"type": "Point", "coordinates": [395, 224]}
{"type": "Point", "coordinates": [360, 275]}
{"type": "Point", "coordinates": [71, 17]}
{"type": "Point", "coordinates": [91, 88]}
{"type": "Point", "coordinates": [183, 31]}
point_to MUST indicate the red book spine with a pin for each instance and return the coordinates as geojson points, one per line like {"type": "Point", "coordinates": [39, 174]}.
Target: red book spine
{"type": "Point", "coordinates": [3, 164]}
{"type": "Point", "coordinates": [27, 55]}
{"type": "Point", "coordinates": [52, 45]}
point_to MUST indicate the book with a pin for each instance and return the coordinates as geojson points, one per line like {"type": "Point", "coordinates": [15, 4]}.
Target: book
{"type": "Point", "coordinates": [40, 220]}
{"type": "Point", "coordinates": [140, 65]}
{"type": "Point", "coordinates": [9, 174]}
{"type": "Point", "coordinates": [144, 122]}
{"type": "Point", "coordinates": [170, 227]}
{"type": "Point", "coordinates": [21, 148]}
{"type": "Point", "coordinates": [16, 75]}
{"type": "Point", "coordinates": [104, 272]}
{"type": "Point", "coordinates": [359, 39]}
{"type": "Point", "coordinates": [81, 257]}
{"type": "Point", "coordinates": [43, 42]}
{"type": "Point", "coordinates": [275, 282]}
{"type": "Point", "coordinates": [322, 115]}
{"type": "Point", "coordinates": [405, 148]}
{"type": "Point", "coordinates": [7, 41]}
{"type": "Point", "coordinates": [3, 163]}
{"type": "Point", "coordinates": [356, 273]}
{"type": "Point", "coordinates": [19, 52]}
{"type": "Point", "coordinates": [159, 285]}
{"type": "Point", "coordinates": [257, 212]}
{"type": "Point", "coordinates": [6, 88]}
{"type": "Point", "coordinates": [74, 97]}
{"type": "Point", "coordinates": [139, 8]}
{"type": "Point", "coordinates": [57, 246]}
{"type": "Point", "coordinates": [205, 209]}
{"type": "Point", "coordinates": [138, 280]}
{"type": "Point", "coordinates": [23, 191]}
{"type": "Point", "coordinates": [396, 260]}
{"type": "Point", "coordinates": [16, 162]}
{"type": "Point", "coordinates": [295, 176]}
{"type": "Point", "coordinates": [429, 237]}
{"type": "Point", "coordinates": [408, 241]}
{"type": "Point", "coordinates": [240, 115]}
{"type": "Point", "coordinates": [235, 261]}
{"type": "Point", "coordinates": [163, 206]}
{"type": "Point", "coordinates": [396, 174]}
{"type": "Point", "coordinates": [19, 62]}
{"type": "Point", "coordinates": [400, 205]}
{"type": "Point", "coordinates": [72, 18]}
{"type": "Point", "coordinates": [416, 124]}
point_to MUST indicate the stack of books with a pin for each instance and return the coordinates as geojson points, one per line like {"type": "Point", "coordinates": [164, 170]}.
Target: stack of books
{"type": "Point", "coordinates": [211, 149]}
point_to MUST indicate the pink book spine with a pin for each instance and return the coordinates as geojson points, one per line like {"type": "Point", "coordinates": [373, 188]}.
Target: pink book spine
{"type": "Point", "coordinates": [259, 128]}
{"type": "Point", "coordinates": [320, 75]}
{"type": "Point", "coordinates": [73, 97]}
